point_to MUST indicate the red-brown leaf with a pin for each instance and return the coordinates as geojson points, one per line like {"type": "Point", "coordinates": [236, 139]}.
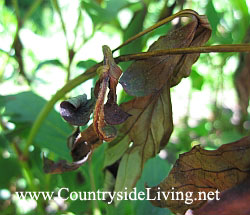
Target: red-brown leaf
{"type": "Point", "coordinates": [202, 170]}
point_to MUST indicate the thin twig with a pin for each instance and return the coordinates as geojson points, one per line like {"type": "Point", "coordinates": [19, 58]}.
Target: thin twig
{"type": "Point", "coordinates": [77, 27]}
{"type": "Point", "coordinates": [183, 13]}
{"type": "Point", "coordinates": [189, 50]}
{"type": "Point", "coordinates": [20, 23]}
{"type": "Point", "coordinates": [62, 22]}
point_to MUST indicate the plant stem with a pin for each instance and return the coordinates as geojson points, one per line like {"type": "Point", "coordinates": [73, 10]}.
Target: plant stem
{"type": "Point", "coordinates": [16, 7]}
{"type": "Point", "coordinates": [31, 10]}
{"type": "Point", "coordinates": [62, 22]}
{"type": "Point", "coordinates": [189, 50]}
{"type": "Point", "coordinates": [183, 13]}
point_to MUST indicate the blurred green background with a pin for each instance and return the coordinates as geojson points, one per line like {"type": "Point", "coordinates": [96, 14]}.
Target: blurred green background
{"type": "Point", "coordinates": [46, 43]}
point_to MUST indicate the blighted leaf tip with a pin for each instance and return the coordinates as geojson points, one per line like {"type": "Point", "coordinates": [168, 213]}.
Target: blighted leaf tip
{"type": "Point", "coordinates": [77, 110]}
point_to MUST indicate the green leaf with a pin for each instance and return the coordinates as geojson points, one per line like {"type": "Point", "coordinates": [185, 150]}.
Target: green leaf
{"type": "Point", "coordinates": [242, 6]}
{"type": "Point", "coordinates": [124, 97]}
{"type": "Point", "coordinates": [135, 26]}
{"type": "Point", "coordinates": [197, 80]}
{"type": "Point", "coordinates": [128, 176]}
{"type": "Point", "coordinates": [86, 64]}
{"type": "Point", "coordinates": [155, 170]}
{"type": "Point", "coordinates": [10, 169]}
{"type": "Point", "coordinates": [24, 108]}
{"type": "Point", "coordinates": [3, 140]}
{"type": "Point", "coordinates": [213, 16]}
{"type": "Point", "coordinates": [53, 62]}
{"type": "Point", "coordinates": [115, 150]}
{"type": "Point", "coordinates": [99, 14]}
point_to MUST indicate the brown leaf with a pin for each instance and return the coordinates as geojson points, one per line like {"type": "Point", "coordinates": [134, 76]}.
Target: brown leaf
{"type": "Point", "coordinates": [202, 170]}
{"type": "Point", "coordinates": [109, 113]}
{"type": "Point", "coordinates": [148, 130]}
{"type": "Point", "coordinates": [232, 201]}
{"type": "Point", "coordinates": [242, 82]}
{"type": "Point", "coordinates": [77, 110]}
{"type": "Point", "coordinates": [150, 126]}
{"type": "Point", "coordinates": [201, 36]}
{"type": "Point", "coordinates": [145, 77]}
{"type": "Point", "coordinates": [61, 166]}
{"type": "Point", "coordinates": [81, 150]}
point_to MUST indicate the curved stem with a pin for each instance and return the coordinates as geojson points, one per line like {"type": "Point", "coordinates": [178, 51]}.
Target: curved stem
{"type": "Point", "coordinates": [183, 13]}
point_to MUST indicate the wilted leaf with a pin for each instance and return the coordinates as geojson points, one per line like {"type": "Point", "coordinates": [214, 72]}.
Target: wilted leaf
{"type": "Point", "coordinates": [145, 77]}
{"type": "Point", "coordinates": [148, 130]}
{"type": "Point", "coordinates": [150, 126]}
{"type": "Point", "coordinates": [61, 166]}
{"type": "Point", "coordinates": [81, 151]}
{"type": "Point", "coordinates": [242, 82]}
{"type": "Point", "coordinates": [202, 170]}
{"type": "Point", "coordinates": [232, 201]}
{"type": "Point", "coordinates": [107, 114]}
{"type": "Point", "coordinates": [77, 110]}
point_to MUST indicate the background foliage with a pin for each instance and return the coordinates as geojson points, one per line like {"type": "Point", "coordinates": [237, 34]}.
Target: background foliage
{"type": "Point", "coordinates": [47, 43]}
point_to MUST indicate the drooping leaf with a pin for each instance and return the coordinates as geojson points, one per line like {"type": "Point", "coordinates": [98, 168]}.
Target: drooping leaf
{"type": "Point", "coordinates": [147, 130]}
{"type": "Point", "coordinates": [232, 201]}
{"type": "Point", "coordinates": [61, 166]}
{"type": "Point", "coordinates": [77, 110]}
{"type": "Point", "coordinates": [150, 126]}
{"type": "Point", "coordinates": [114, 114]}
{"type": "Point", "coordinates": [200, 170]}
{"type": "Point", "coordinates": [109, 113]}
{"type": "Point", "coordinates": [145, 77]}
{"type": "Point", "coordinates": [81, 150]}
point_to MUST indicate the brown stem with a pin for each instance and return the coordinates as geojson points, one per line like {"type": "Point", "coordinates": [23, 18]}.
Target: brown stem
{"type": "Point", "coordinates": [183, 13]}
{"type": "Point", "coordinates": [189, 50]}
{"type": "Point", "coordinates": [18, 47]}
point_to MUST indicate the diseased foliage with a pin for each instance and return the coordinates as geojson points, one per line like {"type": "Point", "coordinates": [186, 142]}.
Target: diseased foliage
{"type": "Point", "coordinates": [127, 130]}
